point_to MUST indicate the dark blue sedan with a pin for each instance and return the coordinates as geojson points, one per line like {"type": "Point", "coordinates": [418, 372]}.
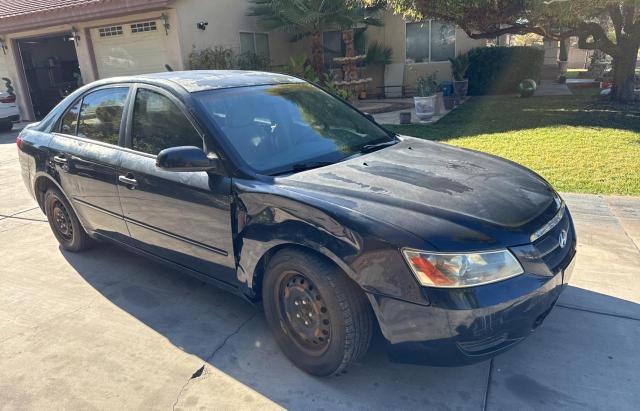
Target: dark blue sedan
{"type": "Point", "coordinates": [274, 189]}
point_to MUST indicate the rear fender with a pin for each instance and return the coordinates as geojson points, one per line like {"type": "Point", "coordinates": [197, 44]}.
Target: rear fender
{"type": "Point", "coordinates": [41, 179]}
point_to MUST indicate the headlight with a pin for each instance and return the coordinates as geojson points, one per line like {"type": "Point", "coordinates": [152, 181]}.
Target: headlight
{"type": "Point", "coordinates": [461, 270]}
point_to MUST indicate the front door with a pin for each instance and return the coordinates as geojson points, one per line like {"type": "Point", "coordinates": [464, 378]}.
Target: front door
{"type": "Point", "coordinates": [86, 155]}
{"type": "Point", "coordinates": [180, 216]}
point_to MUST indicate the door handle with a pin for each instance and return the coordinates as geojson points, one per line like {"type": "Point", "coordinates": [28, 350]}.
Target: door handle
{"type": "Point", "coordinates": [60, 160]}
{"type": "Point", "coordinates": [128, 181]}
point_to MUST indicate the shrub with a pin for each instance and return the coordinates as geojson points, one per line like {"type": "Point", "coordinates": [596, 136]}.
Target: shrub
{"type": "Point", "coordinates": [378, 55]}
{"type": "Point", "coordinates": [217, 58]}
{"type": "Point", "coordinates": [300, 66]}
{"type": "Point", "coordinates": [459, 67]}
{"type": "Point", "coordinates": [253, 61]}
{"type": "Point", "coordinates": [499, 70]}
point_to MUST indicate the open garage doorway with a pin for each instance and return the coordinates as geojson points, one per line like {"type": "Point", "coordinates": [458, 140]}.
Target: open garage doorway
{"type": "Point", "coordinates": [51, 70]}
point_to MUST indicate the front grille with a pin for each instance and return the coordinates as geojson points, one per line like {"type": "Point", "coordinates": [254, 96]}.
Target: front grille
{"type": "Point", "coordinates": [548, 246]}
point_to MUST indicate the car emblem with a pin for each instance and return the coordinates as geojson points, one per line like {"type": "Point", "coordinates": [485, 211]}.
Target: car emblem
{"type": "Point", "coordinates": [562, 240]}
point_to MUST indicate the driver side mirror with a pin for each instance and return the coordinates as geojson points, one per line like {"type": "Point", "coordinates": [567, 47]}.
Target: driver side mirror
{"type": "Point", "coordinates": [187, 158]}
{"type": "Point", "coordinates": [370, 117]}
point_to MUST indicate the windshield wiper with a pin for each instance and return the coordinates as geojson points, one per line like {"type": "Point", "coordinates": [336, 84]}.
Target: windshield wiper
{"type": "Point", "coordinates": [368, 148]}
{"type": "Point", "coordinates": [304, 166]}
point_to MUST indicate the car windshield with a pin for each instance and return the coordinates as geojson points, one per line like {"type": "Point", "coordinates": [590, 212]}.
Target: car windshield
{"type": "Point", "coordinates": [290, 127]}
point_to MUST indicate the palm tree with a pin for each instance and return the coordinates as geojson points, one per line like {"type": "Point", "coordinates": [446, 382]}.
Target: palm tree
{"type": "Point", "coordinates": [354, 16]}
{"type": "Point", "coordinates": [309, 18]}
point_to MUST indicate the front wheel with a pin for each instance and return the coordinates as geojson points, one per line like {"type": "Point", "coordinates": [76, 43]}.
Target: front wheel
{"type": "Point", "coordinates": [64, 222]}
{"type": "Point", "coordinates": [319, 317]}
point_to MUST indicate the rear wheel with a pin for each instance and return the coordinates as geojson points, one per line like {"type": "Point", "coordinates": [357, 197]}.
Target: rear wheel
{"type": "Point", "coordinates": [64, 222]}
{"type": "Point", "coordinates": [321, 319]}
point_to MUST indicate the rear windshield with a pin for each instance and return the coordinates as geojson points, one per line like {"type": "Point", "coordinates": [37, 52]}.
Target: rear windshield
{"type": "Point", "coordinates": [275, 127]}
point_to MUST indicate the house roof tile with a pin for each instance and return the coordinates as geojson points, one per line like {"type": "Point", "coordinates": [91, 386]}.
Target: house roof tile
{"type": "Point", "coordinates": [21, 15]}
{"type": "Point", "coordinates": [14, 8]}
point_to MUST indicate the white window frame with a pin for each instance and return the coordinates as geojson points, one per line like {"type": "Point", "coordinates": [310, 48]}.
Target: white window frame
{"type": "Point", "coordinates": [455, 42]}
{"type": "Point", "coordinates": [141, 27]}
{"type": "Point", "coordinates": [116, 30]}
{"type": "Point", "coordinates": [253, 33]}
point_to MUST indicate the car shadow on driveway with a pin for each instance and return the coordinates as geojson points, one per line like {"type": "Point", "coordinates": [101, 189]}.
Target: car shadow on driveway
{"type": "Point", "coordinates": [580, 357]}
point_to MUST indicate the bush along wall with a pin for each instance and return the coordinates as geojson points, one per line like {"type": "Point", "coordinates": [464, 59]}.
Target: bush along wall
{"type": "Point", "coordinates": [499, 70]}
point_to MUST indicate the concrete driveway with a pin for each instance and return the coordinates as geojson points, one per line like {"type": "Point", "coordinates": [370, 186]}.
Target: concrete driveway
{"type": "Point", "coordinates": [107, 329]}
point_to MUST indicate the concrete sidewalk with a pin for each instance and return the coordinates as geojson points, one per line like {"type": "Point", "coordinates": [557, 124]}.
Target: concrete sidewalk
{"type": "Point", "coordinates": [107, 329]}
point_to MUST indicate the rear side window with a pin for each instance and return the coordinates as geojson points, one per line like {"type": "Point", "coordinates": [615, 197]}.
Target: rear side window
{"type": "Point", "coordinates": [158, 123]}
{"type": "Point", "coordinates": [69, 122]}
{"type": "Point", "coordinates": [101, 114]}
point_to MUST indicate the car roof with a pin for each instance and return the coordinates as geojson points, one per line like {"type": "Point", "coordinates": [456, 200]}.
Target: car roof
{"type": "Point", "coordinates": [200, 80]}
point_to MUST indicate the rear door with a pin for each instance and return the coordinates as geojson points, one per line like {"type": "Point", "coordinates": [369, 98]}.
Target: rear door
{"type": "Point", "coordinates": [181, 216]}
{"type": "Point", "coordinates": [86, 155]}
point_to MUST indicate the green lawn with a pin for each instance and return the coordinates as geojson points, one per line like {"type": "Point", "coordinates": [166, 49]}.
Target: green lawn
{"type": "Point", "coordinates": [577, 143]}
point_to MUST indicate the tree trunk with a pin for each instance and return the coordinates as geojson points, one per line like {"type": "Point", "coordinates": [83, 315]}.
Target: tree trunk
{"type": "Point", "coordinates": [624, 72]}
{"type": "Point", "coordinates": [317, 54]}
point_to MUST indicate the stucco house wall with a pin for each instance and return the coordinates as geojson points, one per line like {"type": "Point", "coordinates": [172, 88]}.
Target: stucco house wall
{"type": "Point", "coordinates": [227, 19]}
{"type": "Point", "coordinates": [393, 34]}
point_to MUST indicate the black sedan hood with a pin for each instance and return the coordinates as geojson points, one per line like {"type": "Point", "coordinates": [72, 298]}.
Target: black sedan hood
{"type": "Point", "coordinates": [436, 191]}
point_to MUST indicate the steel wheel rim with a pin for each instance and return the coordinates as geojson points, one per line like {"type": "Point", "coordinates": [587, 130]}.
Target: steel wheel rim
{"type": "Point", "coordinates": [304, 313]}
{"type": "Point", "coordinates": [61, 220]}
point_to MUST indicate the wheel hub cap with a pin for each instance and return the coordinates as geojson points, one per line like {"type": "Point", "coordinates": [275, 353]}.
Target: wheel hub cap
{"type": "Point", "coordinates": [62, 221]}
{"type": "Point", "coordinates": [306, 314]}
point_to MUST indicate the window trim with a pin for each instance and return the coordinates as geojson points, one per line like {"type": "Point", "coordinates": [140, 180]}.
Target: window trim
{"type": "Point", "coordinates": [115, 30]}
{"type": "Point", "coordinates": [455, 42]}
{"type": "Point", "coordinates": [142, 25]}
{"type": "Point", "coordinates": [253, 33]}
{"type": "Point", "coordinates": [58, 126]}
{"type": "Point", "coordinates": [56, 129]}
{"type": "Point", "coordinates": [128, 139]}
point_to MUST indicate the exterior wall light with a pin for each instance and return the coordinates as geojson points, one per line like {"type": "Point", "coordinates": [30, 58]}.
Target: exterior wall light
{"type": "Point", "coordinates": [165, 23]}
{"type": "Point", "coordinates": [75, 35]}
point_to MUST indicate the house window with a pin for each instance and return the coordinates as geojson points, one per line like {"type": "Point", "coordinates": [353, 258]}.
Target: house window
{"type": "Point", "coordinates": [257, 43]}
{"type": "Point", "coordinates": [430, 41]}
{"type": "Point", "coordinates": [144, 26]}
{"type": "Point", "coordinates": [335, 47]}
{"type": "Point", "coordinates": [110, 31]}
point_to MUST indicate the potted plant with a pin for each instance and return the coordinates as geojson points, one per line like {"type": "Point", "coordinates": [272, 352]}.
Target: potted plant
{"type": "Point", "coordinates": [459, 67]}
{"type": "Point", "coordinates": [425, 99]}
{"type": "Point", "coordinates": [563, 62]}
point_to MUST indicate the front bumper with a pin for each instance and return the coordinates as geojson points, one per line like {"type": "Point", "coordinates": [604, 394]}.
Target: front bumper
{"type": "Point", "coordinates": [465, 326]}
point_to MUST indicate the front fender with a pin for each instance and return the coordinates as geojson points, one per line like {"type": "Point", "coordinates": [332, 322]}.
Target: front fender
{"type": "Point", "coordinates": [268, 221]}
{"type": "Point", "coordinates": [357, 245]}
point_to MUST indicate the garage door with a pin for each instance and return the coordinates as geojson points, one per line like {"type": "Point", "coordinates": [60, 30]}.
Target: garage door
{"type": "Point", "coordinates": [127, 49]}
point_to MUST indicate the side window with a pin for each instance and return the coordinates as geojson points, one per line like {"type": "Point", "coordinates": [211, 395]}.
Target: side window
{"type": "Point", "coordinates": [158, 123]}
{"type": "Point", "coordinates": [69, 123]}
{"type": "Point", "coordinates": [101, 114]}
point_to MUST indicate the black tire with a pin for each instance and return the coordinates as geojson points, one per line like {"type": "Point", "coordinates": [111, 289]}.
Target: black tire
{"type": "Point", "coordinates": [6, 126]}
{"type": "Point", "coordinates": [64, 223]}
{"type": "Point", "coordinates": [340, 317]}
